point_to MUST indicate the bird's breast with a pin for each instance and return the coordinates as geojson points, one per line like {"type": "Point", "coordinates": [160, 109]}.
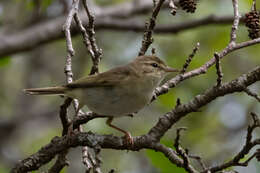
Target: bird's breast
{"type": "Point", "coordinates": [114, 101]}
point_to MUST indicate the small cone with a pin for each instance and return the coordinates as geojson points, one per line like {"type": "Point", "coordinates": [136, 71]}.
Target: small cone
{"type": "Point", "coordinates": [252, 22]}
{"type": "Point", "coordinates": [188, 5]}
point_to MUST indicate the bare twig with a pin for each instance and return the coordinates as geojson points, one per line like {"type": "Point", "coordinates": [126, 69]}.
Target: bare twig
{"type": "Point", "coordinates": [196, 103]}
{"type": "Point", "coordinates": [201, 70]}
{"type": "Point", "coordinates": [92, 161]}
{"type": "Point", "coordinates": [172, 156]}
{"type": "Point", "coordinates": [68, 70]}
{"type": "Point", "coordinates": [70, 50]}
{"type": "Point", "coordinates": [181, 152]}
{"type": "Point", "coordinates": [233, 35]}
{"type": "Point", "coordinates": [97, 53]}
{"type": "Point", "coordinates": [173, 7]}
{"type": "Point", "coordinates": [97, 165]}
{"type": "Point", "coordinates": [83, 31]}
{"type": "Point", "coordinates": [65, 121]}
{"type": "Point", "coordinates": [48, 31]}
{"type": "Point", "coordinates": [199, 159]}
{"type": "Point", "coordinates": [251, 93]}
{"type": "Point", "coordinates": [249, 144]}
{"type": "Point", "coordinates": [154, 3]}
{"type": "Point", "coordinates": [149, 26]}
{"type": "Point", "coordinates": [219, 69]}
{"type": "Point", "coordinates": [177, 139]}
{"type": "Point", "coordinates": [188, 60]}
{"type": "Point", "coordinates": [62, 161]}
{"type": "Point", "coordinates": [86, 158]}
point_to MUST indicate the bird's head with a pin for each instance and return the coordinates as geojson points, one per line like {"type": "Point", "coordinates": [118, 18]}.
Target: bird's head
{"type": "Point", "coordinates": [152, 66]}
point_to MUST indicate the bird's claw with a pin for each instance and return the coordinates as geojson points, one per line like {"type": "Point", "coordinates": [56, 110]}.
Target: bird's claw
{"type": "Point", "coordinates": [129, 140]}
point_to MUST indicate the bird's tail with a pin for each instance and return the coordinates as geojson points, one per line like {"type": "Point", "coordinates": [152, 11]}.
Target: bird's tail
{"type": "Point", "coordinates": [59, 90]}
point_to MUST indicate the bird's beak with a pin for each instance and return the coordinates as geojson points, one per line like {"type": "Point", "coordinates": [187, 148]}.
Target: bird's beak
{"type": "Point", "coordinates": [170, 69]}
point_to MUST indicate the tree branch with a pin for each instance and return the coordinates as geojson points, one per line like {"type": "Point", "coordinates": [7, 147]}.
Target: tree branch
{"type": "Point", "coordinates": [149, 26]}
{"type": "Point", "coordinates": [234, 28]}
{"type": "Point", "coordinates": [201, 70]}
{"type": "Point", "coordinates": [95, 52]}
{"type": "Point", "coordinates": [165, 122]}
{"type": "Point", "coordinates": [46, 32]}
{"type": "Point", "coordinates": [188, 60]}
{"type": "Point", "coordinates": [150, 140]}
{"type": "Point", "coordinates": [219, 69]}
{"type": "Point", "coordinates": [249, 144]}
{"type": "Point", "coordinates": [251, 93]}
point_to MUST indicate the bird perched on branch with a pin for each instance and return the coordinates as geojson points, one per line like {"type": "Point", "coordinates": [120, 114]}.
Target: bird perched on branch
{"type": "Point", "coordinates": [118, 92]}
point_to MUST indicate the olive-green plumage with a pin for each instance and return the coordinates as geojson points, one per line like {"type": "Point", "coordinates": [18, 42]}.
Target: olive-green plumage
{"type": "Point", "coordinates": [116, 92]}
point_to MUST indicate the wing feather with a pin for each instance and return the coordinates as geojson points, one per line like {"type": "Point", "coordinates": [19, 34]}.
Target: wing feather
{"type": "Point", "coordinates": [106, 79]}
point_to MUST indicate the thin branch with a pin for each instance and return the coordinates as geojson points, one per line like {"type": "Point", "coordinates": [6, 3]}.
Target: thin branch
{"type": "Point", "coordinates": [65, 121]}
{"type": "Point", "coordinates": [249, 144]}
{"type": "Point", "coordinates": [199, 159]}
{"type": "Point", "coordinates": [181, 152]}
{"type": "Point", "coordinates": [86, 158]}
{"type": "Point", "coordinates": [49, 31]}
{"type": "Point", "coordinates": [177, 139]}
{"type": "Point", "coordinates": [97, 53]}
{"type": "Point", "coordinates": [201, 70]}
{"type": "Point", "coordinates": [188, 60]}
{"type": "Point", "coordinates": [67, 25]}
{"type": "Point", "coordinates": [73, 13]}
{"type": "Point", "coordinates": [233, 35]}
{"type": "Point", "coordinates": [172, 156]}
{"type": "Point", "coordinates": [97, 165]}
{"type": "Point", "coordinates": [219, 69]}
{"type": "Point", "coordinates": [149, 26]}
{"type": "Point", "coordinates": [173, 7]}
{"type": "Point", "coordinates": [251, 93]}
{"type": "Point", "coordinates": [195, 104]}
{"type": "Point", "coordinates": [62, 161]}
{"type": "Point", "coordinates": [83, 31]}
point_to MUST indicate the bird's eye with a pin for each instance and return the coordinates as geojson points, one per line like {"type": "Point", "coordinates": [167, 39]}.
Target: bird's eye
{"type": "Point", "coordinates": [154, 65]}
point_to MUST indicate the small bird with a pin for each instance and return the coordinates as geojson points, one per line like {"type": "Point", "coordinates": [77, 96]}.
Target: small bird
{"type": "Point", "coordinates": [117, 92]}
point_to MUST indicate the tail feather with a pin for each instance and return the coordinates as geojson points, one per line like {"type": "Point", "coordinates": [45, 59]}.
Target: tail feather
{"type": "Point", "coordinates": [46, 91]}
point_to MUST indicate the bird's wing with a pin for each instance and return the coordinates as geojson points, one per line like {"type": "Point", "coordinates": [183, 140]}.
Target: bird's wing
{"type": "Point", "coordinates": [106, 79]}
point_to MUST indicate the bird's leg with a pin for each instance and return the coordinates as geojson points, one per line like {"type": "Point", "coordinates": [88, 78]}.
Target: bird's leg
{"type": "Point", "coordinates": [129, 138]}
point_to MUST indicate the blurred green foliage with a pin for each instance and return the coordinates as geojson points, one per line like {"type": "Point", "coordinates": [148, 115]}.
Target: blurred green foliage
{"type": "Point", "coordinates": [3, 169]}
{"type": "Point", "coordinates": [4, 61]}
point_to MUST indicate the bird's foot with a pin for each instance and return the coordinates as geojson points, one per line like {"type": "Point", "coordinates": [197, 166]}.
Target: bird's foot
{"type": "Point", "coordinates": [129, 140]}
